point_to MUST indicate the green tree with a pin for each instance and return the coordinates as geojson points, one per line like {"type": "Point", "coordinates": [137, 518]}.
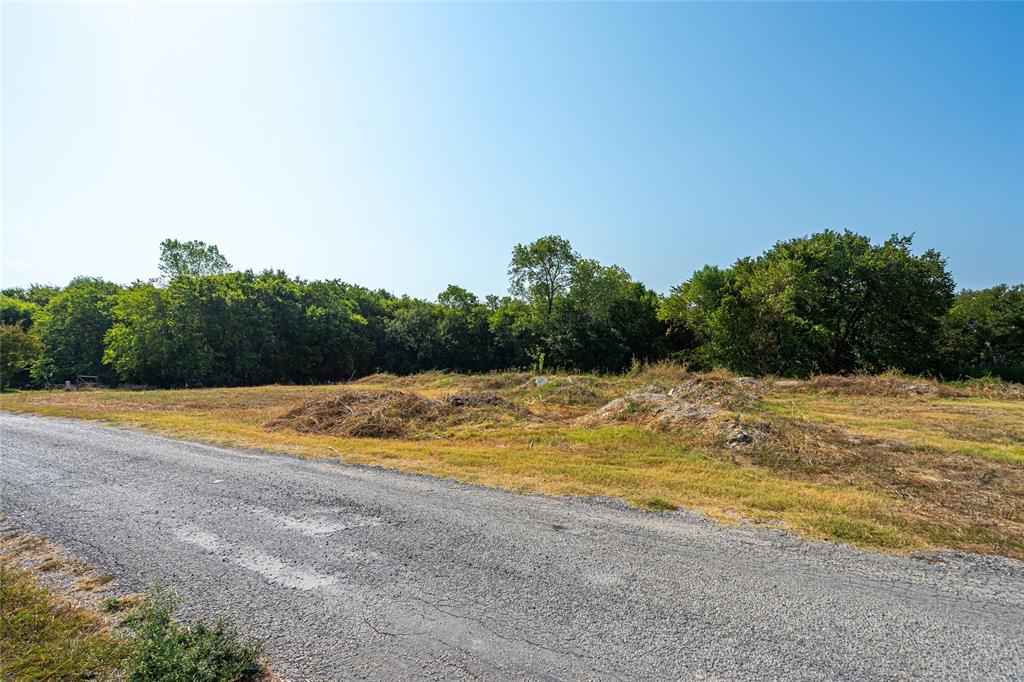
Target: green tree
{"type": "Point", "coordinates": [191, 259]}
{"type": "Point", "coordinates": [17, 311]}
{"type": "Point", "coordinates": [541, 271]}
{"type": "Point", "coordinates": [328, 341]}
{"type": "Point", "coordinates": [72, 327]}
{"type": "Point", "coordinates": [413, 341]}
{"type": "Point", "coordinates": [983, 333]}
{"type": "Point", "coordinates": [236, 328]}
{"type": "Point", "coordinates": [140, 344]}
{"type": "Point", "coordinates": [464, 328]}
{"type": "Point", "coordinates": [829, 303]}
{"type": "Point", "coordinates": [19, 350]}
{"type": "Point", "coordinates": [604, 321]}
{"type": "Point", "coordinates": [39, 294]}
{"type": "Point", "coordinates": [514, 339]}
{"type": "Point", "coordinates": [689, 310]}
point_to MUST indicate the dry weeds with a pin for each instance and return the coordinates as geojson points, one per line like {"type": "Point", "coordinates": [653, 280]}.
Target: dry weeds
{"type": "Point", "coordinates": [929, 464]}
{"type": "Point", "coordinates": [362, 414]}
{"type": "Point", "coordinates": [895, 385]}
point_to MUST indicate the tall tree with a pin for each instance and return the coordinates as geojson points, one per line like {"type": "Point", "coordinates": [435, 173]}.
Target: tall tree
{"type": "Point", "coordinates": [17, 311]}
{"type": "Point", "coordinates": [604, 321]}
{"type": "Point", "coordinates": [192, 258]}
{"type": "Point", "coordinates": [465, 331]}
{"type": "Point", "coordinates": [541, 271]}
{"type": "Point", "coordinates": [38, 294]}
{"type": "Point", "coordinates": [514, 337]}
{"type": "Point", "coordinates": [141, 345]}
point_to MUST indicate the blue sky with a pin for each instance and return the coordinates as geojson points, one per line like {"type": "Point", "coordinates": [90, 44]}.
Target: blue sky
{"type": "Point", "coordinates": [411, 146]}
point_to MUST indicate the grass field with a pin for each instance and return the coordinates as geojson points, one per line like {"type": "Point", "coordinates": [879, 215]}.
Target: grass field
{"type": "Point", "coordinates": [888, 463]}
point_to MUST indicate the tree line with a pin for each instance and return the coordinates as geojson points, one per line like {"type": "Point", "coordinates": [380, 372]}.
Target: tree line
{"type": "Point", "coordinates": [832, 302]}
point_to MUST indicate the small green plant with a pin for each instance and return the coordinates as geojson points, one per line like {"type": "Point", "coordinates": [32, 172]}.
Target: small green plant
{"type": "Point", "coordinates": [162, 650]}
{"type": "Point", "coordinates": [634, 408]}
{"type": "Point", "coordinates": [657, 503]}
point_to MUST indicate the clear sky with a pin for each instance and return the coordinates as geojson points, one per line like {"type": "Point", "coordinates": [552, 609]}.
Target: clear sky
{"type": "Point", "coordinates": [411, 146]}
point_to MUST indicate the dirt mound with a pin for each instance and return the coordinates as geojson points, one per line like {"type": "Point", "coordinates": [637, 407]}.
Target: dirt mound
{"type": "Point", "coordinates": [705, 407]}
{"type": "Point", "coordinates": [723, 393]}
{"type": "Point", "coordinates": [365, 414]}
{"type": "Point", "coordinates": [692, 407]}
{"type": "Point", "coordinates": [562, 391]}
{"type": "Point", "coordinates": [697, 398]}
{"type": "Point", "coordinates": [652, 406]}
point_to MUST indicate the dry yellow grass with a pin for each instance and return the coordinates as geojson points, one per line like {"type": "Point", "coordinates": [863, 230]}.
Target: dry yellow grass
{"type": "Point", "coordinates": [861, 461]}
{"type": "Point", "coordinates": [47, 630]}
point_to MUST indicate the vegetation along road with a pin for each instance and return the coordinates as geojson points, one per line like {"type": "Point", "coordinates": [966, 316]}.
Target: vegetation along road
{"type": "Point", "coordinates": [355, 572]}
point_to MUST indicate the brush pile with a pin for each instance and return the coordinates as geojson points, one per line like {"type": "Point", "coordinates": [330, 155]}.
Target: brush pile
{"type": "Point", "coordinates": [394, 414]}
{"type": "Point", "coordinates": [363, 414]}
{"type": "Point", "coordinates": [884, 385]}
{"type": "Point", "coordinates": [896, 385]}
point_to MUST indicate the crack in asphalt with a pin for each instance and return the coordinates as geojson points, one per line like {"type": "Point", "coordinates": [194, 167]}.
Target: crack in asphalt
{"type": "Point", "coordinates": [351, 572]}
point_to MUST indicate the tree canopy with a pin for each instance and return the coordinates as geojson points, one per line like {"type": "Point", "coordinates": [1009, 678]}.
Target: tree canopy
{"type": "Point", "coordinates": [831, 302]}
{"type": "Point", "coordinates": [983, 333]}
{"type": "Point", "coordinates": [541, 271]}
{"type": "Point", "coordinates": [192, 258]}
{"type": "Point", "coordinates": [72, 326]}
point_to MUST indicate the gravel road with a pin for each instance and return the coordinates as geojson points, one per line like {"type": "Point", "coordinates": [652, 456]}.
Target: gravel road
{"type": "Point", "coordinates": [354, 572]}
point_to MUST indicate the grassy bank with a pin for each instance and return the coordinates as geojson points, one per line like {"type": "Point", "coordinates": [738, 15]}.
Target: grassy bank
{"type": "Point", "coordinates": [55, 624]}
{"type": "Point", "coordinates": [890, 463]}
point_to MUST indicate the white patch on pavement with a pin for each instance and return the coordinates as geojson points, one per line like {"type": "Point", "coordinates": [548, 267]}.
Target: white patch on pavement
{"type": "Point", "coordinates": [321, 522]}
{"type": "Point", "coordinates": [273, 569]}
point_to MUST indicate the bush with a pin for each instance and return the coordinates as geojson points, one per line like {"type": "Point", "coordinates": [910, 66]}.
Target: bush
{"type": "Point", "coordinates": [162, 650]}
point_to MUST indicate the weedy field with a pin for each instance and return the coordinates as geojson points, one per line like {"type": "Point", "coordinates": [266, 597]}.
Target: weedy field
{"type": "Point", "coordinates": [889, 463]}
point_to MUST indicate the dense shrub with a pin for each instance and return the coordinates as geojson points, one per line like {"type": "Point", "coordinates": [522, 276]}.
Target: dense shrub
{"type": "Point", "coordinates": [163, 650]}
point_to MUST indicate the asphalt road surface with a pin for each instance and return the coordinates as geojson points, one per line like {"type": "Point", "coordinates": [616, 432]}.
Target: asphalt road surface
{"type": "Point", "coordinates": [354, 572]}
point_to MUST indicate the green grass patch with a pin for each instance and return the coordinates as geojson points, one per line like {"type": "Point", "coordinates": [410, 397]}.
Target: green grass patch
{"type": "Point", "coordinates": [860, 532]}
{"type": "Point", "coordinates": [657, 503]}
